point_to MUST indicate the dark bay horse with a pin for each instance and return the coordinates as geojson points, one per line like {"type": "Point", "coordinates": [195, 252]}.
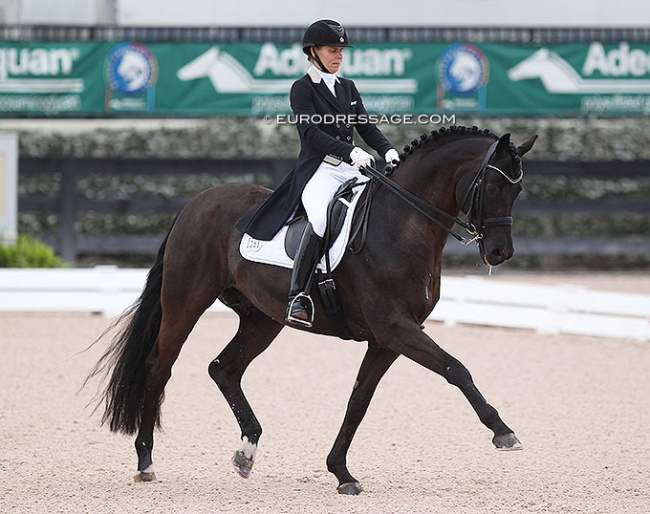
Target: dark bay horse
{"type": "Point", "coordinates": [387, 291]}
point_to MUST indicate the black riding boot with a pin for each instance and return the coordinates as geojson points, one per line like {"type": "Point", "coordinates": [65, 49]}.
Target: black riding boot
{"type": "Point", "coordinates": [301, 308]}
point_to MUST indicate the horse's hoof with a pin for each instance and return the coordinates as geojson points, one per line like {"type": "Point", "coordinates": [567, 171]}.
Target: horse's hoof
{"type": "Point", "coordinates": [145, 476]}
{"type": "Point", "coordinates": [507, 442]}
{"type": "Point", "coordinates": [352, 488]}
{"type": "Point", "coordinates": [242, 464]}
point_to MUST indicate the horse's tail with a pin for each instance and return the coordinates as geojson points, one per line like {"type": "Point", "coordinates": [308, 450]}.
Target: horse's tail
{"type": "Point", "coordinates": [125, 358]}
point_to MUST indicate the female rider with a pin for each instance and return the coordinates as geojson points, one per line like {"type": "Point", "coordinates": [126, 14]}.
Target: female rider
{"type": "Point", "coordinates": [326, 108]}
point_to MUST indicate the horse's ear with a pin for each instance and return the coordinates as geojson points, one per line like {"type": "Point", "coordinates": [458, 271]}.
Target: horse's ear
{"type": "Point", "coordinates": [525, 147]}
{"type": "Point", "coordinates": [503, 145]}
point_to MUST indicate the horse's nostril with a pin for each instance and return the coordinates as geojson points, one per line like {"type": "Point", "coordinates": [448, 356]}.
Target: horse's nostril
{"type": "Point", "coordinates": [499, 255]}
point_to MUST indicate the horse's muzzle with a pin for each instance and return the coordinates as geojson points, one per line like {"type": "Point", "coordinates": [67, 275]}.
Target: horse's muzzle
{"type": "Point", "coordinates": [495, 251]}
{"type": "Point", "coordinates": [497, 256]}
{"type": "Point", "coordinates": [496, 246]}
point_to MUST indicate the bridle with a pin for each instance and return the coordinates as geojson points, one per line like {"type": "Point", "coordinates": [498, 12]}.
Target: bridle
{"type": "Point", "coordinates": [474, 198]}
{"type": "Point", "coordinates": [473, 201]}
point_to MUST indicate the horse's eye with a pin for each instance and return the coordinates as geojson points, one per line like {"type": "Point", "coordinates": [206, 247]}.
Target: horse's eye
{"type": "Point", "coordinates": [492, 190]}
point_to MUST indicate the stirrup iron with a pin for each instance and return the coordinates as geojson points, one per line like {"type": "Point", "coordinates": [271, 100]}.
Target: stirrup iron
{"type": "Point", "coordinates": [298, 321]}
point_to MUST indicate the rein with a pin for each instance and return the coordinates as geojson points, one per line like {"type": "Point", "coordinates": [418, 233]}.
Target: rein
{"type": "Point", "coordinates": [474, 195]}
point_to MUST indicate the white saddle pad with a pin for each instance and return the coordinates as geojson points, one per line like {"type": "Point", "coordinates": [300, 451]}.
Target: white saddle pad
{"type": "Point", "coordinates": [273, 252]}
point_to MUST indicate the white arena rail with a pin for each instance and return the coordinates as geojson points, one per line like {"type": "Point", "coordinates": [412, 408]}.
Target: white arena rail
{"type": "Point", "coordinates": [108, 290]}
{"type": "Point", "coordinates": [561, 309]}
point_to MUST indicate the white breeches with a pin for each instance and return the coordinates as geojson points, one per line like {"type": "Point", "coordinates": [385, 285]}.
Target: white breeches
{"type": "Point", "coordinates": [321, 188]}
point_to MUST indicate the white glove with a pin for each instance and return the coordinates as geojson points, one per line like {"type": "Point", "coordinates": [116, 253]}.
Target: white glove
{"type": "Point", "coordinates": [392, 156]}
{"type": "Point", "coordinates": [360, 157]}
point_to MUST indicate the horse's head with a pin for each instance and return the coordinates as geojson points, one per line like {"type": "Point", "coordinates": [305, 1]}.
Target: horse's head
{"type": "Point", "coordinates": [487, 198]}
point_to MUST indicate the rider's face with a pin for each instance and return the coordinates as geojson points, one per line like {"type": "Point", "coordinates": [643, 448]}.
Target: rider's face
{"type": "Point", "coordinates": [330, 56]}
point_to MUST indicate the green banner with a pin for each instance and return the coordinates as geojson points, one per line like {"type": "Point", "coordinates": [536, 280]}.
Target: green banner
{"type": "Point", "coordinates": [253, 79]}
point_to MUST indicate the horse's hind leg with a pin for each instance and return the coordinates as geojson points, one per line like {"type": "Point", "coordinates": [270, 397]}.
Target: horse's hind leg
{"type": "Point", "coordinates": [256, 332]}
{"type": "Point", "coordinates": [183, 301]}
{"type": "Point", "coordinates": [170, 340]}
{"type": "Point", "coordinates": [375, 364]}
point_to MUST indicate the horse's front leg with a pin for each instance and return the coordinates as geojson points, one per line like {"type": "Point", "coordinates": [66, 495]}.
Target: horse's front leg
{"type": "Point", "coordinates": [406, 338]}
{"type": "Point", "coordinates": [375, 364]}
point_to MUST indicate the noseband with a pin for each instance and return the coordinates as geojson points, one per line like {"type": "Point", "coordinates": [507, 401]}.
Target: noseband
{"type": "Point", "coordinates": [474, 199]}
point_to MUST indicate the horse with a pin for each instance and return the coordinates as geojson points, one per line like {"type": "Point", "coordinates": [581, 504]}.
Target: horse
{"type": "Point", "coordinates": [387, 288]}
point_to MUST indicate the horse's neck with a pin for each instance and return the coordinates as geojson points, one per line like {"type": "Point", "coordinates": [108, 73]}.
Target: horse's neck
{"type": "Point", "coordinates": [434, 174]}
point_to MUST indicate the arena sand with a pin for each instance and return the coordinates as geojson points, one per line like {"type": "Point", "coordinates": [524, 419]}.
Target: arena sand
{"type": "Point", "coordinates": [580, 405]}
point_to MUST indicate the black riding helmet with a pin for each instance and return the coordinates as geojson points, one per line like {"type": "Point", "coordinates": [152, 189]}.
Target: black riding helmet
{"type": "Point", "coordinates": [324, 33]}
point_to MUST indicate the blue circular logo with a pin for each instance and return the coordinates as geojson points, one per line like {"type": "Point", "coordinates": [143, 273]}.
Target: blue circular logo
{"type": "Point", "coordinates": [131, 68]}
{"type": "Point", "coordinates": [463, 68]}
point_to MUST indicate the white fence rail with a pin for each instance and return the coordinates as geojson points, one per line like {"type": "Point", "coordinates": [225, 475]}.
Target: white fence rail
{"type": "Point", "coordinates": [560, 309]}
{"type": "Point", "coordinates": [108, 290]}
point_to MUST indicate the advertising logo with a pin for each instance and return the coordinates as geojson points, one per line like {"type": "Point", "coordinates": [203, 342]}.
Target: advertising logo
{"type": "Point", "coordinates": [270, 77]}
{"type": "Point", "coordinates": [131, 73]}
{"type": "Point", "coordinates": [463, 74]}
{"type": "Point", "coordinates": [611, 80]}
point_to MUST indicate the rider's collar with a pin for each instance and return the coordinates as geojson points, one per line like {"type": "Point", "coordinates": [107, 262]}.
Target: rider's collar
{"type": "Point", "coordinates": [317, 75]}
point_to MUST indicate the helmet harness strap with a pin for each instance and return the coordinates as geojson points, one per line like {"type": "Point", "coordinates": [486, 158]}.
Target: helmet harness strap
{"type": "Point", "coordinates": [315, 57]}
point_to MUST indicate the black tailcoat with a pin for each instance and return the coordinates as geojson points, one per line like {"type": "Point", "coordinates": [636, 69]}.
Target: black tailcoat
{"type": "Point", "coordinates": [325, 125]}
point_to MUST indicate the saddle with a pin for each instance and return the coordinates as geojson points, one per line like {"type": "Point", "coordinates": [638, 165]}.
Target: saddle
{"type": "Point", "coordinates": [281, 250]}
{"type": "Point", "coordinates": [337, 211]}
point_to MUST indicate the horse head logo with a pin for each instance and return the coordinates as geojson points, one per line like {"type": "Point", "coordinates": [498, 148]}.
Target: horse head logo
{"type": "Point", "coordinates": [134, 70]}
{"type": "Point", "coordinates": [228, 75]}
{"type": "Point", "coordinates": [131, 68]}
{"type": "Point", "coordinates": [556, 75]}
{"type": "Point", "coordinates": [559, 77]}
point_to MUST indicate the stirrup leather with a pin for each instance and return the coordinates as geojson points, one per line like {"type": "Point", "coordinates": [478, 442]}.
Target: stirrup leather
{"type": "Point", "coordinates": [301, 297]}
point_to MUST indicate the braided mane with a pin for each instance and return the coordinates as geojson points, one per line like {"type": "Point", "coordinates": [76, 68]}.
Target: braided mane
{"type": "Point", "coordinates": [443, 133]}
